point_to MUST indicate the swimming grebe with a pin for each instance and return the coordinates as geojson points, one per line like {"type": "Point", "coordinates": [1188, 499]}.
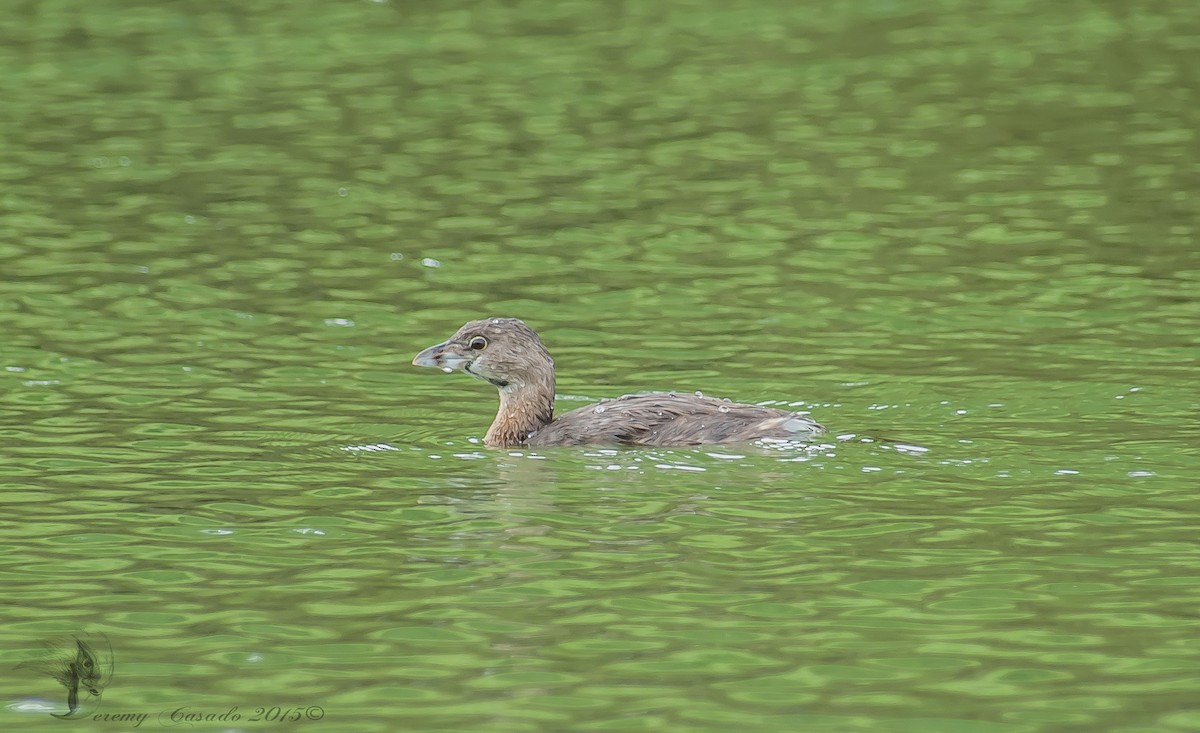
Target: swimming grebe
{"type": "Point", "coordinates": [509, 355]}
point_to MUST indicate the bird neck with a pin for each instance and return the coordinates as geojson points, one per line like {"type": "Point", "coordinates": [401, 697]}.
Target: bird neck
{"type": "Point", "coordinates": [525, 408]}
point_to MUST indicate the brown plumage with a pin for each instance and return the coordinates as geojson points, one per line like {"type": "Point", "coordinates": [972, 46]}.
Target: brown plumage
{"type": "Point", "coordinates": [509, 355]}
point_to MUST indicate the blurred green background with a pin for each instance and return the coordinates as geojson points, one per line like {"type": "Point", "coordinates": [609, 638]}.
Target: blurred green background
{"type": "Point", "coordinates": [969, 227]}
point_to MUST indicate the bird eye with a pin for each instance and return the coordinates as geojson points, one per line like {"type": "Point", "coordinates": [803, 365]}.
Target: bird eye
{"type": "Point", "coordinates": [478, 343]}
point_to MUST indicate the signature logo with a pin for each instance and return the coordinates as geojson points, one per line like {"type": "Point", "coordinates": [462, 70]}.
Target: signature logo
{"type": "Point", "coordinates": [82, 663]}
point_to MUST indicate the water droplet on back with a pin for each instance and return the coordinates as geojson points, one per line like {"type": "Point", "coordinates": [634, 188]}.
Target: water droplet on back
{"type": "Point", "coordinates": [599, 409]}
{"type": "Point", "coordinates": [723, 408]}
{"type": "Point", "coordinates": [699, 393]}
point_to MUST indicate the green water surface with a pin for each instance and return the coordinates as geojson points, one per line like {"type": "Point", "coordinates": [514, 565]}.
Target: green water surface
{"type": "Point", "coordinates": [962, 234]}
